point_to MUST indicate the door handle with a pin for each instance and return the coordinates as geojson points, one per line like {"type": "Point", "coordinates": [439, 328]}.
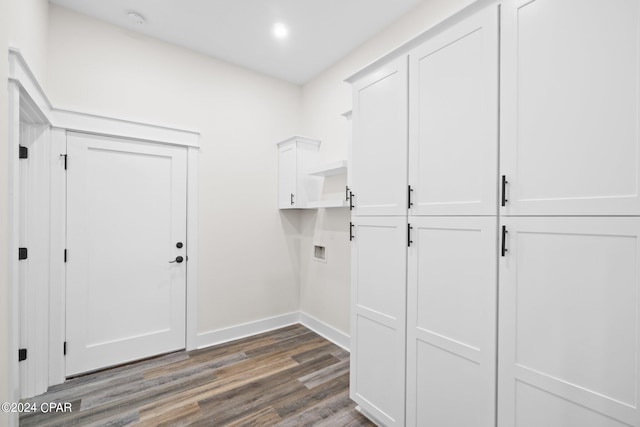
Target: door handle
{"type": "Point", "coordinates": [503, 247]}
{"type": "Point", "coordinates": [178, 259]}
{"type": "Point", "coordinates": [504, 190]}
{"type": "Point", "coordinates": [291, 199]}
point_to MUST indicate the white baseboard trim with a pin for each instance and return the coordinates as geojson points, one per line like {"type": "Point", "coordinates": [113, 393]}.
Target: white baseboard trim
{"type": "Point", "coordinates": [329, 332]}
{"type": "Point", "coordinates": [207, 339]}
{"type": "Point", "coordinates": [220, 336]}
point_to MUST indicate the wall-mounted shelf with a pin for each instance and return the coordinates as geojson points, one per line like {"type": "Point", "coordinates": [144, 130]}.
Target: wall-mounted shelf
{"type": "Point", "coordinates": [328, 204]}
{"type": "Point", "coordinates": [330, 169]}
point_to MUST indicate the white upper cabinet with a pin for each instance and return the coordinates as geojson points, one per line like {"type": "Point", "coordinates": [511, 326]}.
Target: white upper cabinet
{"type": "Point", "coordinates": [570, 88]}
{"type": "Point", "coordinates": [453, 136]}
{"type": "Point", "coordinates": [296, 156]}
{"type": "Point", "coordinates": [569, 300]}
{"type": "Point", "coordinates": [379, 146]}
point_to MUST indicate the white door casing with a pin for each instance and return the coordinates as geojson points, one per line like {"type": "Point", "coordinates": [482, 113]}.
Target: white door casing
{"type": "Point", "coordinates": [126, 212]}
{"type": "Point", "coordinates": [451, 322]}
{"type": "Point", "coordinates": [378, 318]}
{"type": "Point", "coordinates": [570, 83]}
{"type": "Point", "coordinates": [379, 145]}
{"type": "Point", "coordinates": [453, 119]}
{"type": "Point", "coordinates": [569, 328]}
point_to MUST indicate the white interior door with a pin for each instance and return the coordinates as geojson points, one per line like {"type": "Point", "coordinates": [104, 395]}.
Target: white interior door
{"type": "Point", "coordinates": [379, 146]}
{"type": "Point", "coordinates": [126, 214]}
{"type": "Point", "coordinates": [451, 322]}
{"type": "Point", "coordinates": [378, 292]}
{"type": "Point", "coordinates": [453, 140]}
{"type": "Point", "coordinates": [569, 328]}
{"type": "Point", "coordinates": [570, 142]}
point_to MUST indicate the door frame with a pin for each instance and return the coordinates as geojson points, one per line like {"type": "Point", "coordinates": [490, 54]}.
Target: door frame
{"type": "Point", "coordinates": [26, 93]}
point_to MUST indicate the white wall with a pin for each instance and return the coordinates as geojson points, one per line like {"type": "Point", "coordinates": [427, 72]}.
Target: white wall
{"type": "Point", "coordinates": [28, 32]}
{"type": "Point", "coordinates": [325, 288]}
{"type": "Point", "coordinates": [248, 250]}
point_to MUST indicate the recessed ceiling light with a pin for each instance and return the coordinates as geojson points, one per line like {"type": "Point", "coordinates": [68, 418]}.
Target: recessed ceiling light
{"type": "Point", "coordinates": [136, 18]}
{"type": "Point", "coordinates": [280, 30]}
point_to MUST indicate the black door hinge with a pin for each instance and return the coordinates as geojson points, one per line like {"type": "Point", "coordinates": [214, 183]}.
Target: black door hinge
{"type": "Point", "coordinates": [351, 231]}
{"type": "Point", "coordinates": [24, 152]}
{"type": "Point", "coordinates": [65, 255]}
{"type": "Point", "coordinates": [65, 160]}
{"type": "Point", "coordinates": [64, 348]}
{"type": "Point", "coordinates": [409, 202]}
{"type": "Point", "coordinates": [22, 354]}
{"type": "Point", "coordinates": [22, 253]}
{"type": "Point", "coordinates": [409, 241]}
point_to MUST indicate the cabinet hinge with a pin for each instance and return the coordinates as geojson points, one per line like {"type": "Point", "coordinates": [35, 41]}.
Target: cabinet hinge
{"type": "Point", "coordinates": [22, 253]}
{"type": "Point", "coordinates": [65, 255]}
{"type": "Point", "coordinates": [65, 160]}
{"type": "Point", "coordinates": [22, 354]}
{"type": "Point", "coordinates": [64, 348]}
{"type": "Point", "coordinates": [24, 152]}
{"type": "Point", "coordinates": [409, 241]}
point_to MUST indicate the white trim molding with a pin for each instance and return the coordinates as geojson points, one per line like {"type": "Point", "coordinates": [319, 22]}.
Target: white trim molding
{"type": "Point", "coordinates": [334, 335]}
{"type": "Point", "coordinates": [232, 333]}
{"type": "Point", "coordinates": [67, 119]}
{"type": "Point", "coordinates": [193, 156]}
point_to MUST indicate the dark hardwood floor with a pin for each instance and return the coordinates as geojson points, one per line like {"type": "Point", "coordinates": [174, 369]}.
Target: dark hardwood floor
{"type": "Point", "coordinates": [287, 377]}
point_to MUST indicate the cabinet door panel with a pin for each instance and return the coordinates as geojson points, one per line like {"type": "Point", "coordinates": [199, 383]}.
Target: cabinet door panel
{"type": "Point", "coordinates": [453, 141]}
{"type": "Point", "coordinates": [378, 292]}
{"type": "Point", "coordinates": [569, 322]}
{"type": "Point", "coordinates": [570, 88]}
{"type": "Point", "coordinates": [379, 147]}
{"type": "Point", "coordinates": [287, 171]}
{"type": "Point", "coordinates": [451, 322]}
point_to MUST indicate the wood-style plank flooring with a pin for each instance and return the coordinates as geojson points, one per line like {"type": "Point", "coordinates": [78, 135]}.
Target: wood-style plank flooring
{"type": "Point", "coordinates": [287, 377]}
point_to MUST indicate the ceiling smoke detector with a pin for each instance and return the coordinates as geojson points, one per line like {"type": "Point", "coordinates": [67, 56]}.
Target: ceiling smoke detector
{"type": "Point", "coordinates": [135, 18]}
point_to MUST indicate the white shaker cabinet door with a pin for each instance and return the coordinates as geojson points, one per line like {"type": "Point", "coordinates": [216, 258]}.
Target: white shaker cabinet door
{"type": "Point", "coordinates": [453, 139]}
{"type": "Point", "coordinates": [378, 292]}
{"type": "Point", "coordinates": [569, 300]}
{"type": "Point", "coordinates": [287, 177]}
{"type": "Point", "coordinates": [451, 322]}
{"type": "Point", "coordinates": [569, 107]}
{"type": "Point", "coordinates": [379, 146]}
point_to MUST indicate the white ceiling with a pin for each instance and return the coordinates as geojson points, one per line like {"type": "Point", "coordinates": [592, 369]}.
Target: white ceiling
{"type": "Point", "coordinates": [240, 31]}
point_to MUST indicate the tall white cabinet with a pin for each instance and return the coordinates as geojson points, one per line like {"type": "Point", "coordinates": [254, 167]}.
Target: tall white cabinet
{"type": "Point", "coordinates": [569, 285]}
{"type": "Point", "coordinates": [378, 194]}
{"type": "Point", "coordinates": [513, 178]}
